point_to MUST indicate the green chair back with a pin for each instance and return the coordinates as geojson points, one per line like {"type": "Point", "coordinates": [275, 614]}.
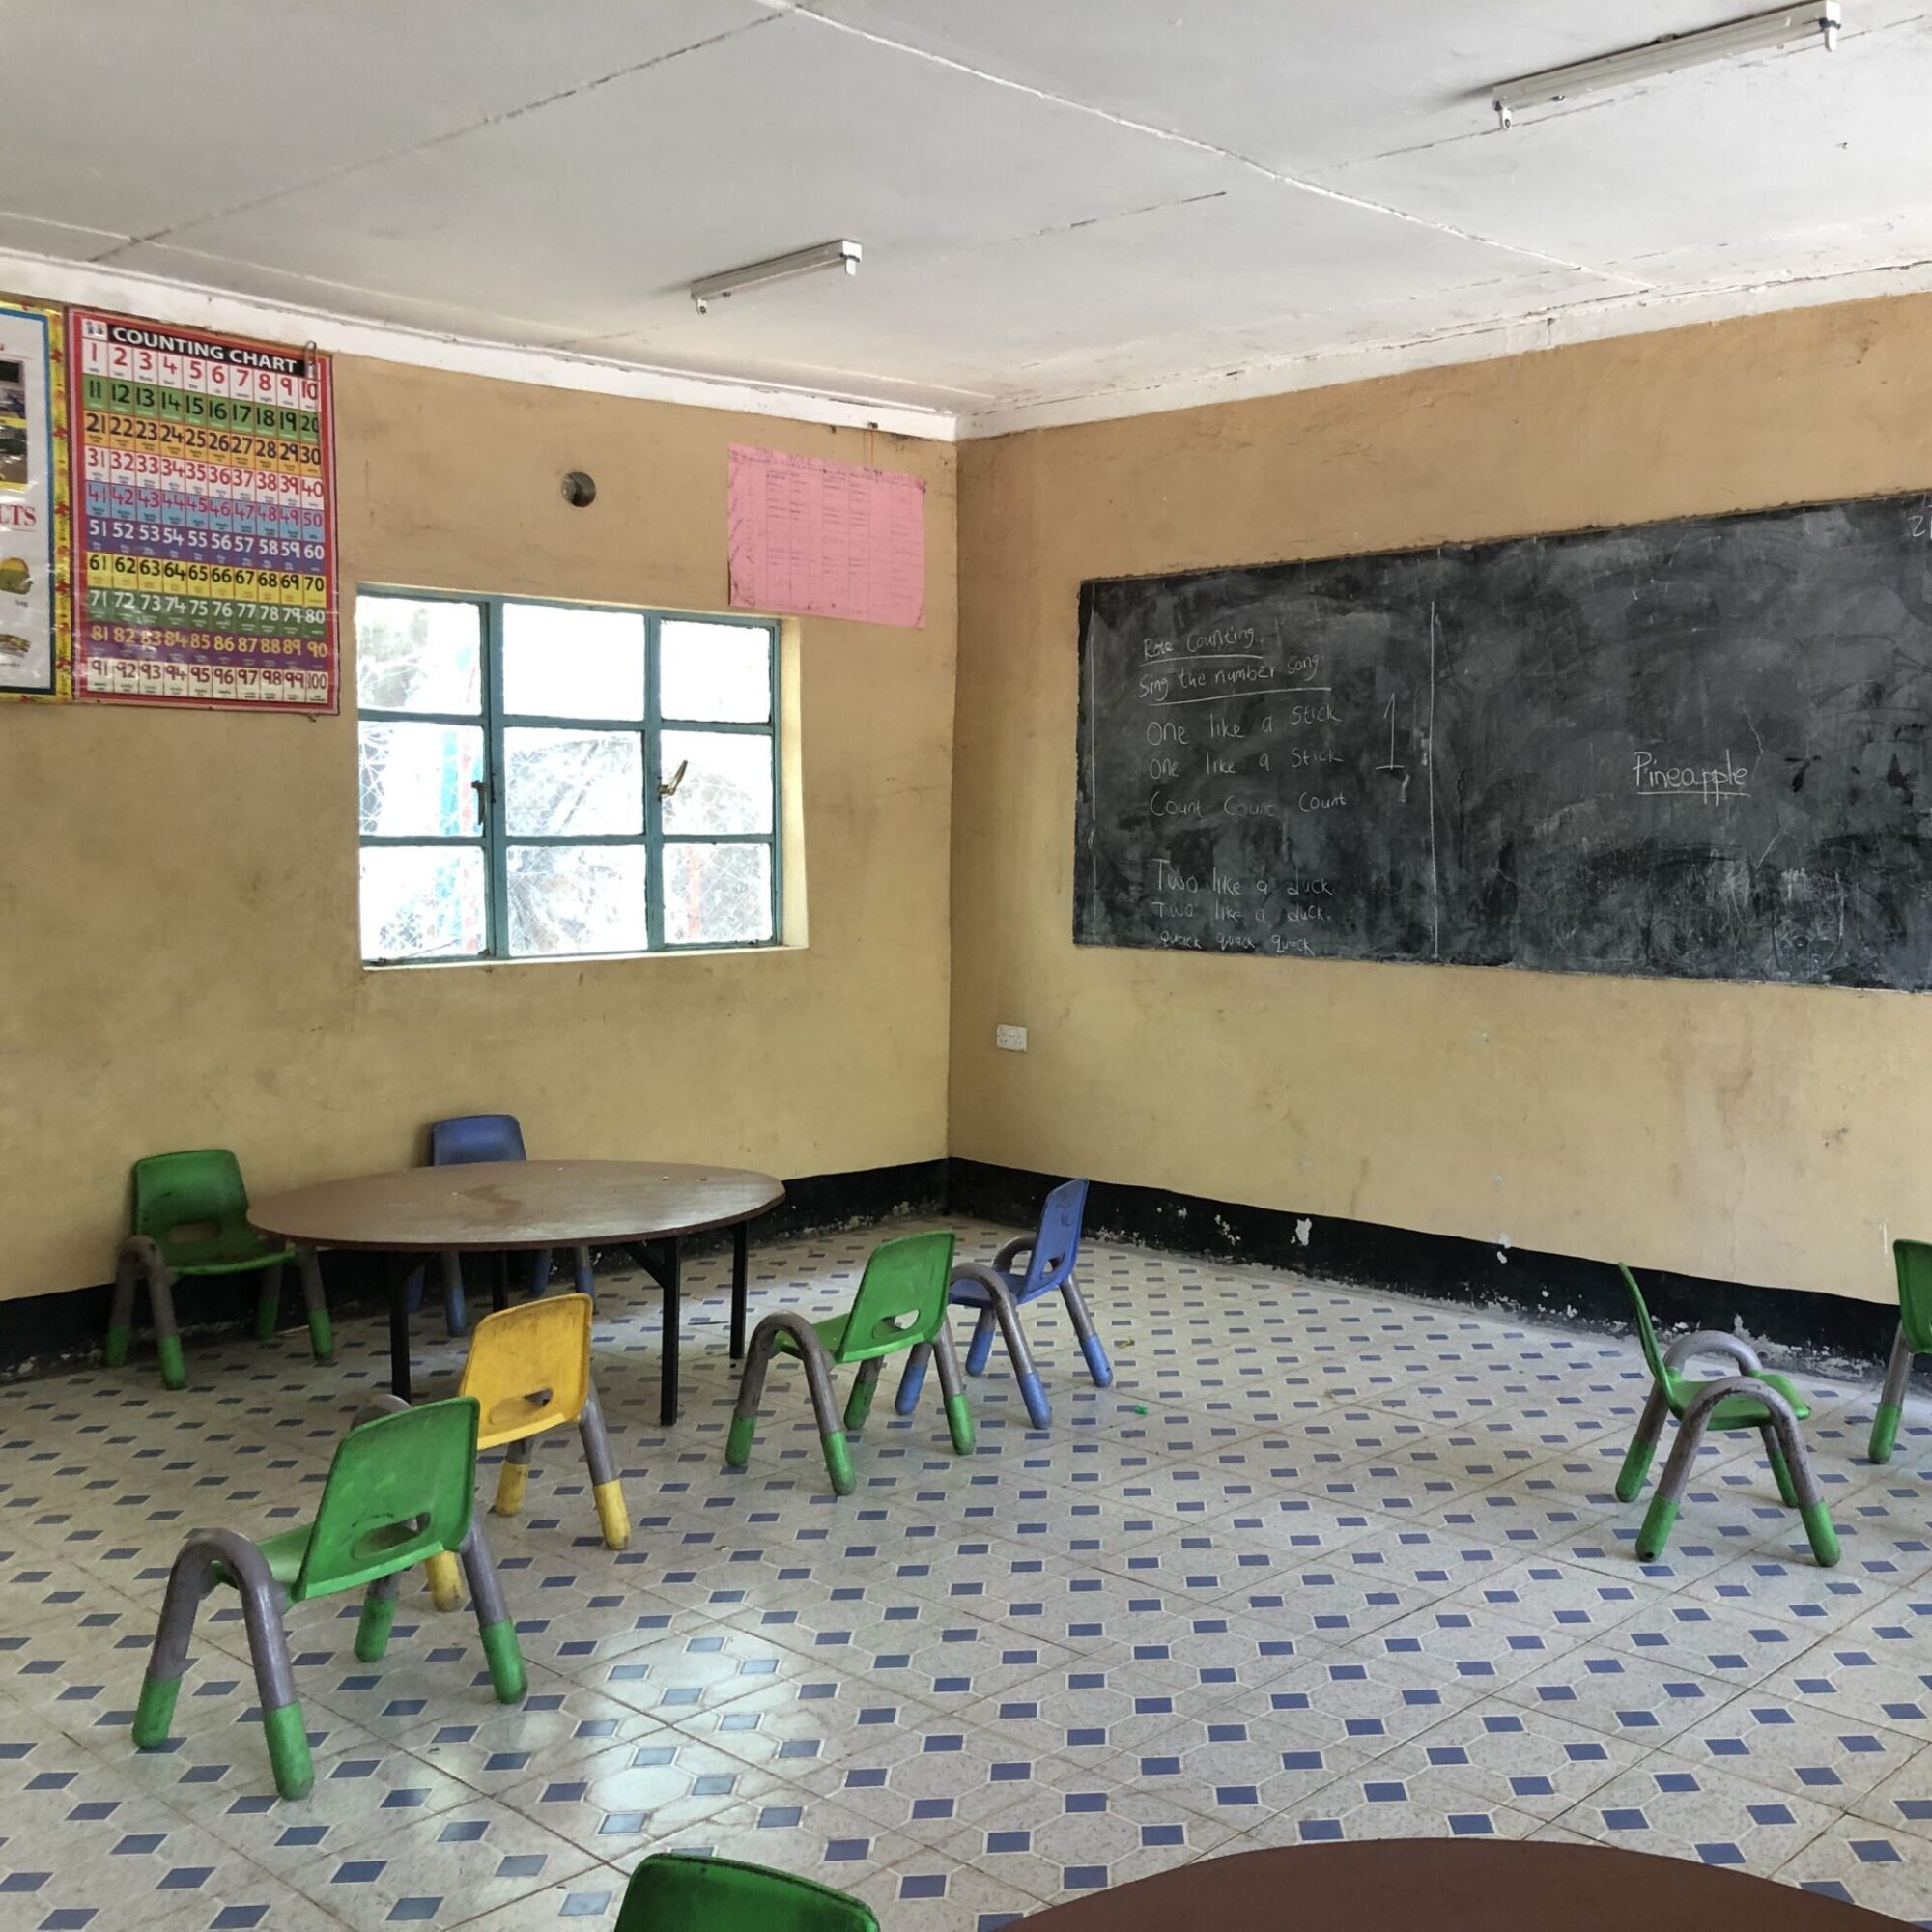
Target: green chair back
{"type": "Point", "coordinates": [672, 1891]}
{"type": "Point", "coordinates": [399, 1491]}
{"type": "Point", "coordinates": [1653, 1355]}
{"type": "Point", "coordinates": [1913, 1261]}
{"type": "Point", "coordinates": [201, 1195]}
{"type": "Point", "coordinates": [901, 1298]}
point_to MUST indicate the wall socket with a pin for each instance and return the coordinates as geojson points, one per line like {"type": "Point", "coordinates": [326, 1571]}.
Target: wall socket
{"type": "Point", "coordinates": [1012, 1038]}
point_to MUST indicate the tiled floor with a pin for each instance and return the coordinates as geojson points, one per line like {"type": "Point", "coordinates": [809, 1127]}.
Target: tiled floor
{"type": "Point", "coordinates": [1321, 1564]}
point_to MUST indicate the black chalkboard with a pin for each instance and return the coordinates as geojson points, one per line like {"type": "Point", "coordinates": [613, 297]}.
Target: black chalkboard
{"type": "Point", "coordinates": [1696, 750]}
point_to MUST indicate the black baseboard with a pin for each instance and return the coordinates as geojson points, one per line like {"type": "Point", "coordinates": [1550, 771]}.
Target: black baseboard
{"type": "Point", "coordinates": [44, 1334]}
{"type": "Point", "coordinates": [1831, 1332]}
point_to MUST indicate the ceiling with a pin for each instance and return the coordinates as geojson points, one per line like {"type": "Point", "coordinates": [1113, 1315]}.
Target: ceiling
{"type": "Point", "coordinates": [1069, 208]}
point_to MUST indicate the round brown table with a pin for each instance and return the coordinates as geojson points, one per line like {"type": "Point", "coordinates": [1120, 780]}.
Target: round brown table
{"type": "Point", "coordinates": [1455, 1885]}
{"type": "Point", "coordinates": [497, 1206]}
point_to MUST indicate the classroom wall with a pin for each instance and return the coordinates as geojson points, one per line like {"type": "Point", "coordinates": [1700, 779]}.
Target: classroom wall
{"type": "Point", "coordinates": [1765, 1134]}
{"type": "Point", "coordinates": [179, 956]}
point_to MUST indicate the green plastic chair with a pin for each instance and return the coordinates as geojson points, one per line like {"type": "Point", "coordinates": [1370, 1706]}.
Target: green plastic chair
{"type": "Point", "coordinates": [1913, 1261]}
{"type": "Point", "coordinates": [901, 1306]}
{"type": "Point", "coordinates": [681, 1891]}
{"type": "Point", "coordinates": [1750, 1397]}
{"type": "Point", "coordinates": [400, 1490]}
{"type": "Point", "coordinates": [191, 1218]}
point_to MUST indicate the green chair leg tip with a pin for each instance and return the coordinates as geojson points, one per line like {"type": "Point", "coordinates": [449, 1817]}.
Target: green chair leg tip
{"type": "Point", "coordinates": [838, 1465]}
{"type": "Point", "coordinates": [114, 1351]}
{"type": "Point", "coordinates": [287, 1750]}
{"type": "Point", "coordinates": [506, 1658]}
{"type": "Point", "coordinates": [155, 1712]}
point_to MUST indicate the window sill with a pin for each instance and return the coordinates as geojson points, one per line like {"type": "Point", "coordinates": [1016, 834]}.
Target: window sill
{"type": "Point", "coordinates": [581, 958]}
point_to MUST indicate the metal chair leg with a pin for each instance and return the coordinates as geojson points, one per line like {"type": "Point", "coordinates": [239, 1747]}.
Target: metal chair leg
{"type": "Point", "coordinates": [514, 1477]}
{"type": "Point", "coordinates": [911, 1379]}
{"type": "Point", "coordinates": [378, 1613]}
{"type": "Point", "coordinates": [614, 1516]}
{"type": "Point", "coordinates": [269, 1302]}
{"type": "Point", "coordinates": [1891, 1402]}
{"type": "Point", "coordinates": [1643, 1446]}
{"type": "Point", "coordinates": [501, 1650]}
{"type": "Point", "coordinates": [587, 1280]}
{"type": "Point", "coordinates": [314, 1304]}
{"type": "Point", "coordinates": [188, 1582]}
{"type": "Point", "coordinates": [1780, 1469]}
{"type": "Point", "coordinates": [859, 1404]}
{"type": "Point", "coordinates": [818, 1378]}
{"type": "Point", "coordinates": [979, 1349]}
{"type": "Point", "coordinates": [952, 1384]}
{"type": "Point", "coordinates": [455, 1311]}
{"type": "Point", "coordinates": [1090, 1345]}
{"type": "Point", "coordinates": [1002, 1311]}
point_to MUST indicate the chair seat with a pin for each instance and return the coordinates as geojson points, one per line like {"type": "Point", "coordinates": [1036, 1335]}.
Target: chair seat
{"type": "Point", "coordinates": [1735, 1411]}
{"type": "Point", "coordinates": [232, 1252]}
{"type": "Point", "coordinates": [970, 1293]}
{"type": "Point", "coordinates": [832, 1333]}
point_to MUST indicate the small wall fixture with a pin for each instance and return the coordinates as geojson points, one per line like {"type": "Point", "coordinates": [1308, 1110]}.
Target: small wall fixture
{"type": "Point", "coordinates": [844, 255]}
{"type": "Point", "coordinates": [1780, 27]}
{"type": "Point", "coordinates": [580, 490]}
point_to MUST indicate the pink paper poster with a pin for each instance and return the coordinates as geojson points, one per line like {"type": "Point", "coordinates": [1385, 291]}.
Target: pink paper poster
{"type": "Point", "coordinates": [822, 539]}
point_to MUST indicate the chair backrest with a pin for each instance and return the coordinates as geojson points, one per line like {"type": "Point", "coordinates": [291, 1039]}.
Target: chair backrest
{"type": "Point", "coordinates": [530, 1367]}
{"type": "Point", "coordinates": [673, 1892]}
{"type": "Point", "coordinates": [1913, 1261]}
{"type": "Point", "coordinates": [186, 1200]}
{"type": "Point", "coordinates": [399, 1491]}
{"type": "Point", "coordinates": [901, 1298]}
{"type": "Point", "coordinates": [1653, 1355]}
{"type": "Point", "coordinates": [1057, 1245]}
{"type": "Point", "coordinates": [471, 1137]}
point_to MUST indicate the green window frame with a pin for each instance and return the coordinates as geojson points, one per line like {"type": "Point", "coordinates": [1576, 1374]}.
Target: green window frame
{"type": "Point", "coordinates": [490, 834]}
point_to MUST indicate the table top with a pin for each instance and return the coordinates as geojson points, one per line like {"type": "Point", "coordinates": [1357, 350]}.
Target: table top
{"type": "Point", "coordinates": [517, 1203]}
{"type": "Point", "coordinates": [1455, 1885]}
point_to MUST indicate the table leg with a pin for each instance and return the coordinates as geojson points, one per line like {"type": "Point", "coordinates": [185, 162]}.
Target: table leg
{"type": "Point", "coordinates": [740, 1286]}
{"type": "Point", "coordinates": [669, 1280]}
{"type": "Point", "coordinates": [402, 1267]}
{"type": "Point", "coordinates": [500, 1281]}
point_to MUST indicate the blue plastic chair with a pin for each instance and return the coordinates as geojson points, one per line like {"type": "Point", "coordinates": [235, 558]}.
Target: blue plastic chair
{"type": "Point", "coordinates": [459, 1142]}
{"type": "Point", "coordinates": [999, 1292]}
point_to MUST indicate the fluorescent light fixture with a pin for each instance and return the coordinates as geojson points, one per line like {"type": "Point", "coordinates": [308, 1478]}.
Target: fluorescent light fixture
{"type": "Point", "coordinates": [844, 255]}
{"type": "Point", "coordinates": [1780, 27]}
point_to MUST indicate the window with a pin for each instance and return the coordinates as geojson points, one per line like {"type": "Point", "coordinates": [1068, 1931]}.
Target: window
{"type": "Point", "coordinates": [541, 781]}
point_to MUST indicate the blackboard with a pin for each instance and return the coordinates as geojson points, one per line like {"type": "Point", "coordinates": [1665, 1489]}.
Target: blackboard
{"type": "Point", "coordinates": [1693, 750]}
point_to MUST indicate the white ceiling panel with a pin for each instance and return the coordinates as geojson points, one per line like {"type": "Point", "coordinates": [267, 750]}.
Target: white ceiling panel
{"type": "Point", "coordinates": [1081, 205]}
{"type": "Point", "coordinates": [139, 116]}
{"type": "Point", "coordinates": [1718, 172]}
{"type": "Point", "coordinates": [602, 209]}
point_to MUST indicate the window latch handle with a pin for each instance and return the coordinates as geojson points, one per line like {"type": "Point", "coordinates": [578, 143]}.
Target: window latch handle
{"type": "Point", "coordinates": [670, 791]}
{"type": "Point", "coordinates": [481, 788]}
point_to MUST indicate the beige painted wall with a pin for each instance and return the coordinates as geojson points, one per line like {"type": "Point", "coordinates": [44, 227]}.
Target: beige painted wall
{"type": "Point", "coordinates": [1760, 1133]}
{"type": "Point", "coordinates": [178, 959]}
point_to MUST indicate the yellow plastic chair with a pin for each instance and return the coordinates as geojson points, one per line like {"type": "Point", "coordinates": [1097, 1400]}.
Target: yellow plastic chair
{"type": "Point", "coordinates": [529, 1371]}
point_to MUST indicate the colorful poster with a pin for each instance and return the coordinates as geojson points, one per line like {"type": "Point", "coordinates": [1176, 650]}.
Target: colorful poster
{"type": "Point", "coordinates": [33, 504]}
{"type": "Point", "coordinates": [825, 539]}
{"type": "Point", "coordinates": [204, 519]}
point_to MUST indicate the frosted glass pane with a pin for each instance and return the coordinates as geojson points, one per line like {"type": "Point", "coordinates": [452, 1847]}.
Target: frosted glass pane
{"type": "Point", "coordinates": [560, 781]}
{"type": "Point", "coordinates": [577, 898]}
{"type": "Point", "coordinates": [573, 663]}
{"type": "Point", "coordinates": [422, 901]}
{"type": "Point", "coordinates": [416, 654]}
{"type": "Point", "coordinates": [715, 671]}
{"type": "Point", "coordinates": [420, 780]}
{"type": "Point", "coordinates": [717, 895]}
{"type": "Point", "coordinates": [727, 785]}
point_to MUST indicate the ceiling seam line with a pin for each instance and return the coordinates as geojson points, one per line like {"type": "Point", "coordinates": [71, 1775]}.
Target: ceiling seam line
{"type": "Point", "coordinates": [1279, 176]}
{"type": "Point", "coordinates": [498, 120]}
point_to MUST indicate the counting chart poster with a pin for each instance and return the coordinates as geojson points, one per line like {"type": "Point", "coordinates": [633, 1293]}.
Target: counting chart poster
{"type": "Point", "coordinates": [203, 476]}
{"type": "Point", "coordinates": [33, 504]}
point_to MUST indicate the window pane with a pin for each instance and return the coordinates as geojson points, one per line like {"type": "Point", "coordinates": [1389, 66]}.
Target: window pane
{"type": "Point", "coordinates": [574, 781]}
{"type": "Point", "coordinates": [412, 654]}
{"type": "Point", "coordinates": [418, 780]}
{"type": "Point", "coordinates": [577, 898]}
{"type": "Point", "coordinates": [717, 895]}
{"type": "Point", "coordinates": [715, 671]}
{"type": "Point", "coordinates": [573, 663]}
{"type": "Point", "coordinates": [421, 901]}
{"type": "Point", "coordinates": [726, 785]}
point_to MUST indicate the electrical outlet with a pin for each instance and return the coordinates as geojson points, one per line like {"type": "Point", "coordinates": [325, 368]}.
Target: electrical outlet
{"type": "Point", "coordinates": [1012, 1038]}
